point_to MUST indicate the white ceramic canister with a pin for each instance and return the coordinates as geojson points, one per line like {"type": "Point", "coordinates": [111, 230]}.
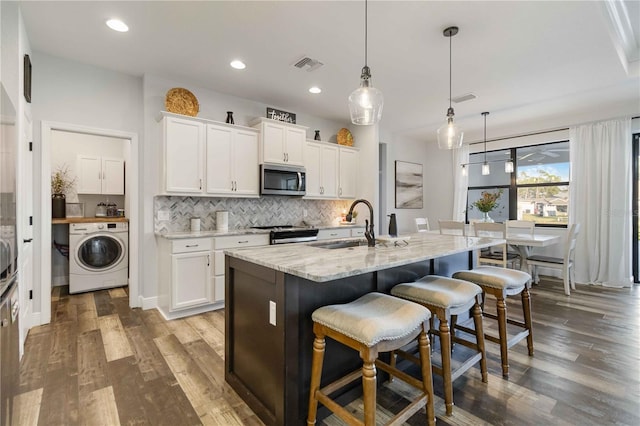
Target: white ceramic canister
{"type": "Point", "coordinates": [222, 220]}
{"type": "Point", "coordinates": [195, 224]}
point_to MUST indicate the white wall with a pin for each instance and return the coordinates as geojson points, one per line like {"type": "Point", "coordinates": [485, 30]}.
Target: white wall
{"type": "Point", "coordinates": [70, 92]}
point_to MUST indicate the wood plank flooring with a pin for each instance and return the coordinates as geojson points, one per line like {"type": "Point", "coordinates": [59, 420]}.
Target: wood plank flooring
{"type": "Point", "coordinates": [101, 363]}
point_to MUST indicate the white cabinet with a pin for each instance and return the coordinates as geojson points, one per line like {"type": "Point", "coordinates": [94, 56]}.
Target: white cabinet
{"type": "Point", "coordinates": [100, 175]}
{"type": "Point", "coordinates": [202, 157]}
{"type": "Point", "coordinates": [186, 276]}
{"type": "Point", "coordinates": [321, 170]}
{"type": "Point", "coordinates": [231, 161]}
{"type": "Point", "coordinates": [228, 242]}
{"type": "Point", "coordinates": [281, 143]}
{"type": "Point", "coordinates": [357, 231]}
{"type": "Point", "coordinates": [183, 155]}
{"type": "Point", "coordinates": [348, 173]}
{"type": "Point", "coordinates": [331, 233]}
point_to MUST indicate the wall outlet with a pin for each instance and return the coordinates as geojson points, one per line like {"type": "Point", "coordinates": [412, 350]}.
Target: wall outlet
{"type": "Point", "coordinates": [164, 215]}
{"type": "Point", "coordinates": [304, 213]}
{"type": "Point", "coordinates": [272, 312]}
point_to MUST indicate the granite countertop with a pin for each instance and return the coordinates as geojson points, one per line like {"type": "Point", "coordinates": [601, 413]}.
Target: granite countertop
{"type": "Point", "coordinates": [321, 265]}
{"type": "Point", "coordinates": [240, 231]}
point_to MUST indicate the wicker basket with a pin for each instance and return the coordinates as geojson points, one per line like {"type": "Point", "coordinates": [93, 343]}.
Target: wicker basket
{"type": "Point", "coordinates": [344, 137]}
{"type": "Point", "coordinates": [181, 101]}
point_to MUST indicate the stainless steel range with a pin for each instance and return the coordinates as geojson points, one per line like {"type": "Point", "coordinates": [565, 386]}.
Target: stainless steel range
{"type": "Point", "coordinates": [284, 234]}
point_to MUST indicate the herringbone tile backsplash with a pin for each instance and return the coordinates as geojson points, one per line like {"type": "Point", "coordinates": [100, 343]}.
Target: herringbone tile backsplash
{"type": "Point", "coordinates": [245, 212]}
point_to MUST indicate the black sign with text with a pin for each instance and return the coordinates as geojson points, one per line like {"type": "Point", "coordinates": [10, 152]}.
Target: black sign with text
{"type": "Point", "coordinates": [276, 114]}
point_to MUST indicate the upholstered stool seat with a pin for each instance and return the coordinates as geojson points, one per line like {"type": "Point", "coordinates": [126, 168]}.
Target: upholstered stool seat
{"type": "Point", "coordinates": [372, 324]}
{"type": "Point", "coordinates": [446, 298]}
{"type": "Point", "coordinates": [502, 282]}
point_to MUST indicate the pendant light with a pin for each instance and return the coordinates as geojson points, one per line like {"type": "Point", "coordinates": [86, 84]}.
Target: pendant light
{"type": "Point", "coordinates": [365, 103]}
{"type": "Point", "coordinates": [450, 135]}
{"type": "Point", "coordinates": [485, 166]}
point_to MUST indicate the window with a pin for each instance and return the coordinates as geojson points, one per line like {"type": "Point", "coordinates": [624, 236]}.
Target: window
{"type": "Point", "coordinates": [537, 190]}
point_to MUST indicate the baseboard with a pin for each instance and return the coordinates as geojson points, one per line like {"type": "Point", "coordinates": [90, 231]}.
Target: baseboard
{"type": "Point", "coordinates": [148, 302]}
{"type": "Point", "coordinates": [35, 319]}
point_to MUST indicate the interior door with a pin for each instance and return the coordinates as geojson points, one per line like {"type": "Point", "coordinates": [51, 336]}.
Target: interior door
{"type": "Point", "coordinates": [26, 218]}
{"type": "Point", "coordinates": [635, 203]}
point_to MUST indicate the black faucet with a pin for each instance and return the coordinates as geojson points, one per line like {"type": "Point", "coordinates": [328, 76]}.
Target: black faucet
{"type": "Point", "coordinates": [368, 227]}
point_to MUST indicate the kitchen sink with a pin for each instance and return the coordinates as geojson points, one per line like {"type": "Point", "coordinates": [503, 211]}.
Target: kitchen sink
{"type": "Point", "coordinates": [331, 245]}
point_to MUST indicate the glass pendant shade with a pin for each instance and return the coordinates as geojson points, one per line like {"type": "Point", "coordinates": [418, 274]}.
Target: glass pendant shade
{"type": "Point", "coordinates": [485, 169]}
{"type": "Point", "coordinates": [366, 102]}
{"type": "Point", "coordinates": [508, 167]}
{"type": "Point", "coordinates": [450, 135]}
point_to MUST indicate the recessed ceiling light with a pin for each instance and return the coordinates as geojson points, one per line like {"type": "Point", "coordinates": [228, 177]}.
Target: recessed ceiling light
{"type": "Point", "coordinates": [117, 25]}
{"type": "Point", "coordinates": [237, 64]}
{"type": "Point", "coordinates": [315, 90]}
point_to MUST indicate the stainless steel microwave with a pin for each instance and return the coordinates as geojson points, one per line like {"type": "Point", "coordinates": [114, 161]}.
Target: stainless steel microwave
{"type": "Point", "coordinates": [282, 180]}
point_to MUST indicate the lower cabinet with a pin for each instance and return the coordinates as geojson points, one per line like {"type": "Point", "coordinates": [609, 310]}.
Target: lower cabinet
{"type": "Point", "coordinates": [344, 232]}
{"type": "Point", "coordinates": [191, 272]}
{"type": "Point", "coordinates": [185, 276]}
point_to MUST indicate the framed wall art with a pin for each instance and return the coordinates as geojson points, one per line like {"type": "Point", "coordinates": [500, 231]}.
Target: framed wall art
{"type": "Point", "coordinates": [408, 185]}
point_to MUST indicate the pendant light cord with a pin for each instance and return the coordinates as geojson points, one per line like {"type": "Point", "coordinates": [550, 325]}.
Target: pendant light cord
{"type": "Point", "coordinates": [366, 11]}
{"type": "Point", "coordinates": [450, 73]}
{"type": "Point", "coordinates": [485, 136]}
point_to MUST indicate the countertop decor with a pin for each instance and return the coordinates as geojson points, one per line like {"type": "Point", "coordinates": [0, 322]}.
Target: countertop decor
{"type": "Point", "coordinates": [345, 137]}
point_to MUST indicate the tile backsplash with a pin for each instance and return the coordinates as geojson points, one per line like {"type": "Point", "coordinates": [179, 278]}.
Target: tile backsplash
{"type": "Point", "coordinates": [244, 212]}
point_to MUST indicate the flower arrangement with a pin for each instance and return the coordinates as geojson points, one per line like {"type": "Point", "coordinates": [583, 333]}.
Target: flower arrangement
{"type": "Point", "coordinates": [488, 201]}
{"type": "Point", "coordinates": [61, 181]}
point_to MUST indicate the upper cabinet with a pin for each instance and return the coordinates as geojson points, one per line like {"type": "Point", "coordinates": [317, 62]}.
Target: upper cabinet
{"type": "Point", "coordinates": [203, 157]}
{"type": "Point", "coordinates": [331, 170]}
{"type": "Point", "coordinates": [281, 143]}
{"type": "Point", "coordinates": [183, 155]}
{"type": "Point", "coordinates": [100, 175]}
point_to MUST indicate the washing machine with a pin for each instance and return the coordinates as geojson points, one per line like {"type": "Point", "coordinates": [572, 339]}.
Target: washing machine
{"type": "Point", "coordinates": [98, 255]}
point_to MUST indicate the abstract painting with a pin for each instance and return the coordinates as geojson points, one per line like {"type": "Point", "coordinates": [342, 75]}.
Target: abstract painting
{"type": "Point", "coordinates": [408, 185]}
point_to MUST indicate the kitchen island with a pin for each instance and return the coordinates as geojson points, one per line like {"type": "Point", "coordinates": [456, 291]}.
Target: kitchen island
{"type": "Point", "coordinates": [271, 292]}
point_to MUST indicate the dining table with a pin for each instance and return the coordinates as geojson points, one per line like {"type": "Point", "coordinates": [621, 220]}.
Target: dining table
{"type": "Point", "coordinates": [525, 242]}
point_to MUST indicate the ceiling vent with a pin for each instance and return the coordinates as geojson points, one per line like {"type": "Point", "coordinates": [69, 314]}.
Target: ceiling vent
{"type": "Point", "coordinates": [463, 98]}
{"type": "Point", "coordinates": [308, 63]}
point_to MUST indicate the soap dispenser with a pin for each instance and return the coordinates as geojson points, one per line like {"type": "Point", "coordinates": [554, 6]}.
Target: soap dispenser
{"type": "Point", "coordinates": [393, 226]}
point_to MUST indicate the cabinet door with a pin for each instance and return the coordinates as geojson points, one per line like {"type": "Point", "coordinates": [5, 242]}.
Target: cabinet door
{"type": "Point", "coordinates": [89, 170]}
{"type": "Point", "coordinates": [245, 162]}
{"type": "Point", "coordinates": [348, 173]}
{"type": "Point", "coordinates": [112, 176]}
{"type": "Point", "coordinates": [273, 148]}
{"type": "Point", "coordinates": [329, 171]}
{"type": "Point", "coordinates": [294, 147]}
{"type": "Point", "coordinates": [218, 153]}
{"type": "Point", "coordinates": [184, 146]}
{"type": "Point", "coordinates": [191, 280]}
{"type": "Point", "coordinates": [313, 169]}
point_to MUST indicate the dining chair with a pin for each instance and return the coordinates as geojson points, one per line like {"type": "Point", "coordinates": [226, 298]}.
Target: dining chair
{"type": "Point", "coordinates": [526, 227]}
{"type": "Point", "coordinates": [565, 263]}
{"type": "Point", "coordinates": [422, 224]}
{"type": "Point", "coordinates": [495, 255]}
{"type": "Point", "coordinates": [452, 227]}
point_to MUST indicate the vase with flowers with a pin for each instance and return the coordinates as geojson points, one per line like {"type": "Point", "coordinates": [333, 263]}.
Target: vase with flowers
{"type": "Point", "coordinates": [61, 183]}
{"type": "Point", "coordinates": [488, 202]}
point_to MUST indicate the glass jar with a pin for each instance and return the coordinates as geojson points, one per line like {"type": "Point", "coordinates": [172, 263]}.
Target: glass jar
{"type": "Point", "coordinates": [101, 210]}
{"type": "Point", "coordinates": [112, 209]}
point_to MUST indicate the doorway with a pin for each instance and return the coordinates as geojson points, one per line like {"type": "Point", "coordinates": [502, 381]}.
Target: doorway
{"type": "Point", "coordinates": [131, 157]}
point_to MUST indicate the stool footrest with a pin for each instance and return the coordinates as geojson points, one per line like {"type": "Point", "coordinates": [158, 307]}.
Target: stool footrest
{"type": "Point", "coordinates": [338, 410]}
{"type": "Point", "coordinates": [400, 374]}
{"type": "Point", "coordinates": [341, 382]}
{"type": "Point", "coordinates": [509, 320]}
{"type": "Point", "coordinates": [465, 366]}
{"type": "Point", "coordinates": [510, 341]}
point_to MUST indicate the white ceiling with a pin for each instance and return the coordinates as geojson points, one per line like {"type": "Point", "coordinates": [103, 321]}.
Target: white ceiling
{"type": "Point", "coordinates": [534, 65]}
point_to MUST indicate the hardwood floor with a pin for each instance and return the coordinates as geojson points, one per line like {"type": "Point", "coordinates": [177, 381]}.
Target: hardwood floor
{"type": "Point", "coordinates": [101, 363]}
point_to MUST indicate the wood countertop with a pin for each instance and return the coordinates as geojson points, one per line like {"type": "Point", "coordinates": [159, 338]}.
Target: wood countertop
{"type": "Point", "coordinates": [67, 220]}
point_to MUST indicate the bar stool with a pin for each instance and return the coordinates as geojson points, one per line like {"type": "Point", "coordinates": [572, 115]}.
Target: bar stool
{"type": "Point", "coordinates": [447, 297]}
{"type": "Point", "coordinates": [502, 282]}
{"type": "Point", "coordinates": [372, 324]}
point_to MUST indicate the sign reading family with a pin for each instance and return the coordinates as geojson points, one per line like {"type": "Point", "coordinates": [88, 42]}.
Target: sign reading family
{"type": "Point", "coordinates": [276, 114]}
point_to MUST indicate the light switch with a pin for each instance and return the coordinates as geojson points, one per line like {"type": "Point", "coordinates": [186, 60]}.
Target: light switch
{"type": "Point", "coordinates": [272, 312]}
{"type": "Point", "coordinates": [164, 215]}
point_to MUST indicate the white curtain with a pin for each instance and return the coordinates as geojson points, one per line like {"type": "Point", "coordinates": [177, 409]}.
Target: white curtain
{"type": "Point", "coordinates": [600, 200]}
{"type": "Point", "coordinates": [460, 182]}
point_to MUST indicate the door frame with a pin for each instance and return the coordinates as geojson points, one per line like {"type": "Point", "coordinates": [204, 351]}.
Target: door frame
{"type": "Point", "coordinates": [132, 188]}
{"type": "Point", "coordinates": [635, 177]}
